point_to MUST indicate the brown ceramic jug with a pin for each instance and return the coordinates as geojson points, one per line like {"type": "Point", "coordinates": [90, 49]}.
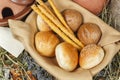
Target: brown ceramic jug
{"type": "Point", "coordinates": [14, 9]}
{"type": "Point", "coordinates": [23, 2]}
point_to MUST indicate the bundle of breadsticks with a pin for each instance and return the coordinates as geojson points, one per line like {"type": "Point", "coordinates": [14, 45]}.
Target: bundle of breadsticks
{"type": "Point", "coordinates": [56, 22]}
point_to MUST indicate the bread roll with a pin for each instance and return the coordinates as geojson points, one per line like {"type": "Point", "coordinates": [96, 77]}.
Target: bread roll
{"type": "Point", "coordinates": [42, 26]}
{"type": "Point", "coordinates": [46, 42]}
{"type": "Point", "coordinates": [89, 33]}
{"type": "Point", "coordinates": [67, 56]}
{"type": "Point", "coordinates": [73, 18]}
{"type": "Point", "coordinates": [90, 56]}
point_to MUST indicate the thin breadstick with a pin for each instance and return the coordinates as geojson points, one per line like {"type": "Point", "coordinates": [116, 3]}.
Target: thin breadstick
{"type": "Point", "coordinates": [54, 27]}
{"type": "Point", "coordinates": [60, 26]}
{"type": "Point", "coordinates": [43, 4]}
{"type": "Point", "coordinates": [58, 14]}
{"type": "Point", "coordinates": [44, 11]}
{"type": "Point", "coordinates": [47, 12]}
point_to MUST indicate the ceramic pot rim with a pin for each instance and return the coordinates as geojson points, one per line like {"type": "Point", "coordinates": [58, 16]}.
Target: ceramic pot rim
{"type": "Point", "coordinates": [20, 15]}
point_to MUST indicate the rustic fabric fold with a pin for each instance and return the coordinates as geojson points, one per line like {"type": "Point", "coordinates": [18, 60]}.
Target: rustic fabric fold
{"type": "Point", "coordinates": [109, 41]}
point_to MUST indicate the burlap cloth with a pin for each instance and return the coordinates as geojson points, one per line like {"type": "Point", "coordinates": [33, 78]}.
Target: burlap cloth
{"type": "Point", "coordinates": [109, 41]}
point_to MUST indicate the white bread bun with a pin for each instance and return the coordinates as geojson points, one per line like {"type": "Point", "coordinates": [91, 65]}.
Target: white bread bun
{"type": "Point", "coordinates": [90, 56]}
{"type": "Point", "coordinates": [46, 42]}
{"type": "Point", "coordinates": [67, 56]}
{"type": "Point", "coordinates": [42, 25]}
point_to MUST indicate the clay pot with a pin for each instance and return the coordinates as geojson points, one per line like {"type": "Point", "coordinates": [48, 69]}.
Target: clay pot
{"type": "Point", "coordinates": [23, 2]}
{"type": "Point", "coordinates": [9, 9]}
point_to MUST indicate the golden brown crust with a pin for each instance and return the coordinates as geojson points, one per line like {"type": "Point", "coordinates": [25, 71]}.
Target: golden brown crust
{"type": "Point", "coordinates": [90, 56]}
{"type": "Point", "coordinates": [42, 25]}
{"type": "Point", "coordinates": [67, 56]}
{"type": "Point", "coordinates": [73, 18]}
{"type": "Point", "coordinates": [89, 33]}
{"type": "Point", "coordinates": [46, 42]}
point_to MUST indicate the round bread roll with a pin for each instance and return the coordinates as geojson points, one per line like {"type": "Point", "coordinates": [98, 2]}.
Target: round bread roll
{"type": "Point", "coordinates": [46, 42]}
{"type": "Point", "coordinates": [73, 18]}
{"type": "Point", "coordinates": [67, 56]}
{"type": "Point", "coordinates": [90, 56]}
{"type": "Point", "coordinates": [89, 33]}
{"type": "Point", "coordinates": [42, 25]}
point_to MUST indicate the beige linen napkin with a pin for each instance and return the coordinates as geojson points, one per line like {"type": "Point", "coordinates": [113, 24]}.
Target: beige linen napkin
{"type": "Point", "coordinates": [109, 41]}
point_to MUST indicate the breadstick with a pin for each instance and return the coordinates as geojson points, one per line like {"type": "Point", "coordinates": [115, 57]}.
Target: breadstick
{"type": "Point", "coordinates": [54, 27]}
{"type": "Point", "coordinates": [58, 14]}
{"type": "Point", "coordinates": [46, 8]}
{"type": "Point", "coordinates": [60, 26]}
{"type": "Point", "coordinates": [47, 14]}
